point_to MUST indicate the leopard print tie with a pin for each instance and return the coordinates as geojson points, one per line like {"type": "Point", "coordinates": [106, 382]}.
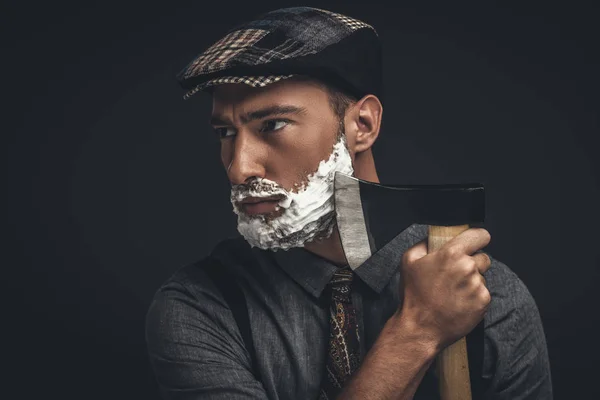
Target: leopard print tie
{"type": "Point", "coordinates": [343, 356]}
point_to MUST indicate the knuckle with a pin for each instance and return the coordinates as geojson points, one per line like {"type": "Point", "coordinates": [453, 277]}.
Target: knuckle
{"type": "Point", "coordinates": [471, 264]}
{"type": "Point", "coordinates": [484, 296]}
{"type": "Point", "coordinates": [407, 258]}
{"type": "Point", "coordinates": [468, 266]}
{"type": "Point", "coordinates": [451, 253]}
{"type": "Point", "coordinates": [475, 282]}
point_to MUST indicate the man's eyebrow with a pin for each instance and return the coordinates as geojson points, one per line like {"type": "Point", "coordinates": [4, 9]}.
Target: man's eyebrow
{"type": "Point", "coordinates": [262, 113]}
{"type": "Point", "coordinates": [215, 120]}
{"type": "Point", "coordinates": [271, 111]}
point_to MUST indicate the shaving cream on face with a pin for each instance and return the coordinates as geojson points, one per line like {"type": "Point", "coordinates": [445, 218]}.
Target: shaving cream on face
{"type": "Point", "coordinates": [304, 215]}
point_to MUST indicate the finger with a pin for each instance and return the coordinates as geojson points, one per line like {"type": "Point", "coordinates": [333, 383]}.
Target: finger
{"type": "Point", "coordinates": [482, 261]}
{"type": "Point", "coordinates": [469, 241]}
{"type": "Point", "coordinates": [416, 252]}
{"type": "Point", "coordinates": [479, 280]}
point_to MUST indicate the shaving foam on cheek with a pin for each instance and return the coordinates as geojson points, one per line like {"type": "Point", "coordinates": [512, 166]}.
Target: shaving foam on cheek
{"type": "Point", "coordinates": [306, 214]}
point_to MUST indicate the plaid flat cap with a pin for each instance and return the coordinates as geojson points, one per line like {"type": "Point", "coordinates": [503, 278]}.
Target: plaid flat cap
{"type": "Point", "coordinates": [340, 50]}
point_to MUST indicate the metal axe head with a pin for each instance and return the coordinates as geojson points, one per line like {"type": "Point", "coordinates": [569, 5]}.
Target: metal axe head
{"type": "Point", "coordinates": [370, 215]}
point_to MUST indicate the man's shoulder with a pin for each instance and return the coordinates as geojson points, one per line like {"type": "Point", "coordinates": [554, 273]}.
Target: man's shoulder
{"type": "Point", "coordinates": [229, 254]}
{"type": "Point", "coordinates": [512, 306]}
{"type": "Point", "coordinates": [514, 335]}
{"type": "Point", "coordinates": [505, 286]}
{"type": "Point", "coordinates": [189, 314]}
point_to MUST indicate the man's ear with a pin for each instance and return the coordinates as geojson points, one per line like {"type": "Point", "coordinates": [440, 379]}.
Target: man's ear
{"type": "Point", "coordinates": [363, 122]}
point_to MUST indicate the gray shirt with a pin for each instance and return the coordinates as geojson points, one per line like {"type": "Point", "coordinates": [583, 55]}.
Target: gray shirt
{"type": "Point", "coordinates": [197, 352]}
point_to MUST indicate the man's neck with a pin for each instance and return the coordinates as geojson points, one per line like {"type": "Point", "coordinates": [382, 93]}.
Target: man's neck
{"type": "Point", "coordinates": [329, 249]}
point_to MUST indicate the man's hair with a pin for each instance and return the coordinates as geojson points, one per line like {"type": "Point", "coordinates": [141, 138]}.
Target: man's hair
{"type": "Point", "coordinates": [339, 100]}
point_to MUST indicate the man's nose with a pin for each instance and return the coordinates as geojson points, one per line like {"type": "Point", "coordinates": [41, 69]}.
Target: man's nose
{"type": "Point", "coordinates": [246, 161]}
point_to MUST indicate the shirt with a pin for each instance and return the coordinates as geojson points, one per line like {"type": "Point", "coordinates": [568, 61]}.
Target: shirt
{"type": "Point", "coordinates": [197, 352]}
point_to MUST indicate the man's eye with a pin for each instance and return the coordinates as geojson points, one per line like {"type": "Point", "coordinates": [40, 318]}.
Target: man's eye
{"type": "Point", "coordinates": [273, 125]}
{"type": "Point", "coordinates": [225, 132]}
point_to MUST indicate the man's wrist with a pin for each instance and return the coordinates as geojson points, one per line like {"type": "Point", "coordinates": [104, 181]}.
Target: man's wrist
{"type": "Point", "coordinates": [395, 365]}
{"type": "Point", "coordinates": [408, 334]}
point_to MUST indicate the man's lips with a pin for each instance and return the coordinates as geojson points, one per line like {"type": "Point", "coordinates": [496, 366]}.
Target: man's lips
{"type": "Point", "coordinates": [260, 205]}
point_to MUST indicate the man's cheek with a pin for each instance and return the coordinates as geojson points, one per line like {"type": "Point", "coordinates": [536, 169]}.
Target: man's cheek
{"type": "Point", "coordinates": [226, 158]}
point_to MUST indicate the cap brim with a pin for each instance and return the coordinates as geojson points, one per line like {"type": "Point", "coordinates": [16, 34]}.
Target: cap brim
{"type": "Point", "coordinates": [254, 81]}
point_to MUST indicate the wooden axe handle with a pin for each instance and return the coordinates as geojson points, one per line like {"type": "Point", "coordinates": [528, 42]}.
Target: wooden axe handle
{"type": "Point", "coordinates": [452, 363]}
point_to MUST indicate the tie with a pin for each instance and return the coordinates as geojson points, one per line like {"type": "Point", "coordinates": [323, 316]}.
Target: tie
{"type": "Point", "coordinates": [343, 357]}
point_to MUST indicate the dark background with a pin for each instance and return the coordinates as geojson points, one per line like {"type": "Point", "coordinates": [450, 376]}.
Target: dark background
{"type": "Point", "coordinates": [114, 181]}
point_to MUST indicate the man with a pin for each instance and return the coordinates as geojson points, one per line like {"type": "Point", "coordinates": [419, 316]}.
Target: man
{"type": "Point", "coordinates": [296, 97]}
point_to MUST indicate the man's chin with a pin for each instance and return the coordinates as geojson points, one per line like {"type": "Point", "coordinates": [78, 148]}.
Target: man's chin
{"type": "Point", "coordinates": [323, 234]}
{"type": "Point", "coordinates": [260, 233]}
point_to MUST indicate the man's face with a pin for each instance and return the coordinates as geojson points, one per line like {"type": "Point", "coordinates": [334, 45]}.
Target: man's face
{"type": "Point", "coordinates": [280, 146]}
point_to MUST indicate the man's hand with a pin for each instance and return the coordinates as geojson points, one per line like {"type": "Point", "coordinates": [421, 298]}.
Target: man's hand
{"type": "Point", "coordinates": [444, 299]}
{"type": "Point", "coordinates": [444, 292]}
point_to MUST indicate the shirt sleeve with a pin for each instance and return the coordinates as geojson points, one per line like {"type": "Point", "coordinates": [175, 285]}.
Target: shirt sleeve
{"type": "Point", "coordinates": [195, 348]}
{"type": "Point", "coordinates": [516, 340]}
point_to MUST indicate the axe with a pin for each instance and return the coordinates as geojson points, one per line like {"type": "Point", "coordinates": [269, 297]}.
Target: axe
{"type": "Point", "coordinates": [370, 215]}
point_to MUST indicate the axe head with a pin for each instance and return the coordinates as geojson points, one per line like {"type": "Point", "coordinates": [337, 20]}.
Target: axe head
{"type": "Point", "coordinates": [369, 215]}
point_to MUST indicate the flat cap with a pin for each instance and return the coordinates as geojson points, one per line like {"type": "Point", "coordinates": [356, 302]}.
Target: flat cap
{"type": "Point", "coordinates": [339, 50]}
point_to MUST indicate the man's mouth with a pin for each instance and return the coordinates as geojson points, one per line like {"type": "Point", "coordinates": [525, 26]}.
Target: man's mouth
{"type": "Point", "coordinates": [260, 205]}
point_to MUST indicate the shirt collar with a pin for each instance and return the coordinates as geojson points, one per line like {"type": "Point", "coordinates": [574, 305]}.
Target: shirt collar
{"type": "Point", "coordinates": [313, 272]}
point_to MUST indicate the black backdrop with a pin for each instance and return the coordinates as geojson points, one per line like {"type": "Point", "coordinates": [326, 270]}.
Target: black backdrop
{"type": "Point", "coordinates": [114, 181]}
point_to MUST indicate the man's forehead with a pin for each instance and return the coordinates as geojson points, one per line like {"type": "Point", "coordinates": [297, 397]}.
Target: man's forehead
{"type": "Point", "coordinates": [242, 96]}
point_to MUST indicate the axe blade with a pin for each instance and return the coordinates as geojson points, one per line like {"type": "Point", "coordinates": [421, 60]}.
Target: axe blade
{"type": "Point", "coordinates": [369, 215]}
